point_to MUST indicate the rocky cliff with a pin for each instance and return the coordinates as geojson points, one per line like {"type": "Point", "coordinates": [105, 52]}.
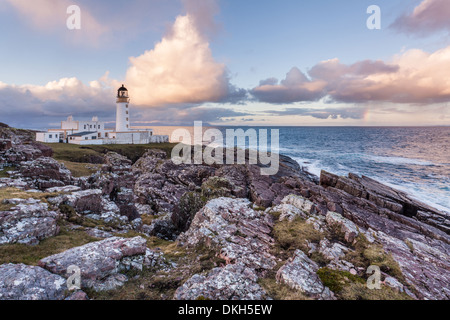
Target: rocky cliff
{"type": "Point", "coordinates": [155, 230]}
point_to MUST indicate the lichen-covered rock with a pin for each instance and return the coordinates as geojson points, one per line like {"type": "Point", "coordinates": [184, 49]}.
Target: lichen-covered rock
{"type": "Point", "coordinates": [346, 226]}
{"type": "Point", "coordinates": [85, 202]}
{"type": "Point", "coordinates": [115, 162]}
{"type": "Point", "coordinates": [300, 273]}
{"type": "Point", "coordinates": [22, 282]}
{"type": "Point", "coordinates": [332, 251]}
{"type": "Point", "coordinates": [425, 267]}
{"type": "Point", "coordinates": [233, 282]}
{"type": "Point", "coordinates": [79, 295]}
{"type": "Point", "coordinates": [63, 189]}
{"type": "Point", "coordinates": [299, 202]}
{"type": "Point", "coordinates": [28, 222]}
{"type": "Point", "coordinates": [100, 262]}
{"type": "Point", "coordinates": [236, 231]}
{"type": "Point", "coordinates": [44, 173]}
{"type": "Point", "coordinates": [387, 200]}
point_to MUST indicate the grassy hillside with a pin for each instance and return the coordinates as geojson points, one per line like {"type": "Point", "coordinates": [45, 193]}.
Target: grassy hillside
{"type": "Point", "coordinates": [94, 154]}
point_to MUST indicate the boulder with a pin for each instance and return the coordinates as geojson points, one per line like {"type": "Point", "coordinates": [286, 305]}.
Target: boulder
{"type": "Point", "coordinates": [233, 282]}
{"type": "Point", "coordinates": [300, 273]}
{"type": "Point", "coordinates": [44, 173]}
{"type": "Point", "coordinates": [22, 282]}
{"type": "Point", "coordinates": [5, 145]}
{"type": "Point", "coordinates": [236, 231]}
{"type": "Point", "coordinates": [85, 202]}
{"type": "Point", "coordinates": [28, 222]}
{"type": "Point", "coordinates": [100, 262]}
{"type": "Point", "coordinates": [115, 162]}
{"type": "Point", "coordinates": [347, 227]}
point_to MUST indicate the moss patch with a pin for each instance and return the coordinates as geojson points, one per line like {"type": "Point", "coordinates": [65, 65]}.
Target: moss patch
{"type": "Point", "coordinates": [151, 284]}
{"type": "Point", "coordinates": [366, 254]}
{"type": "Point", "coordinates": [81, 169]}
{"type": "Point", "coordinates": [359, 291]}
{"type": "Point", "coordinates": [337, 280]}
{"type": "Point", "coordinates": [4, 171]}
{"type": "Point", "coordinates": [94, 154]}
{"type": "Point", "coordinates": [14, 193]}
{"type": "Point", "coordinates": [290, 236]}
{"type": "Point", "coordinates": [279, 291]}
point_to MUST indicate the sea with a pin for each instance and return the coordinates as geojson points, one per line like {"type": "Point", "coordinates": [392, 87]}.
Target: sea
{"type": "Point", "coordinates": [415, 160]}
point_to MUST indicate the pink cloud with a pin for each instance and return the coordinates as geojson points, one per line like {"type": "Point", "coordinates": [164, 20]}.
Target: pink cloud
{"type": "Point", "coordinates": [414, 77]}
{"type": "Point", "coordinates": [428, 17]}
{"type": "Point", "coordinates": [295, 87]}
{"type": "Point", "coordinates": [51, 16]}
{"type": "Point", "coordinates": [181, 67]}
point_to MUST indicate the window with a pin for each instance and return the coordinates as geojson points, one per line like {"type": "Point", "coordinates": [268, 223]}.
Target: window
{"type": "Point", "coordinates": [99, 126]}
{"type": "Point", "coordinates": [127, 119]}
{"type": "Point", "coordinates": [87, 138]}
{"type": "Point", "coordinates": [127, 106]}
{"type": "Point", "coordinates": [99, 135]}
{"type": "Point", "coordinates": [50, 136]}
{"type": "Point", "coordinates": [106, 134]}
{"type": "Point", "coordinates": [127, 111]}
{"type": "Point", "coordinates": [91, 126]}
{"type": "Point", "coordinates": [84, 127]}
{"type": "Point", "coordinates": [127, 126]}
{"type": "Point", "coordinates": [94, 137]}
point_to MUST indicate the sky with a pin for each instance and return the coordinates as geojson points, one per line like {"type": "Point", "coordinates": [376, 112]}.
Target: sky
{"type": "Point", "coordinates": [227, 62]}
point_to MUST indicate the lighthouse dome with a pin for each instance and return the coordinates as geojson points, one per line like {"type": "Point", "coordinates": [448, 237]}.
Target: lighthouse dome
{"type": "Point", "coordinates": [122, 92]}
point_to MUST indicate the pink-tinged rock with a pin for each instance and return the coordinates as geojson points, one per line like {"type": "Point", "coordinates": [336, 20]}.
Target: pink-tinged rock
{"type": "Point", "coordinates": [233, 282]}
{"type": "Point", "coordinates": [28, 222]}
{"type": "Point", "coordinates": [235, 230]}
{"type": "Point", "coordinates": [100, 262]}
{"type": "Point", "coordinates": [300, 273]}
{"type": "Point", "coordinates": [22, 282]}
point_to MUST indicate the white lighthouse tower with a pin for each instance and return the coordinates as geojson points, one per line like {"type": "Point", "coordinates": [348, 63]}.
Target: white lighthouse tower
{"type": "Point", "coordinates": [122, 111]}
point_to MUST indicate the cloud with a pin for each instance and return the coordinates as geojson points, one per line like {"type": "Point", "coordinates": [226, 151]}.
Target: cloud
{"type": "Point", "coordinates": [180, 68]}
{"type": "Point", "coordinates": [55, 100]}
{"type": "Point", "coordinates": [51, 16]}
{"type": "Point", "coordinates": [175, 116]}
{"type": "Point", "coordinates": [414, 77]}
{"type": "Point", "coordinates": [323, 113]}
{"type": "Point", "coordinates": [428, 17]}
{"type": "Point", "coordinates": [202, 14]}
{"type": "Point", "coordinates": [295, 87]}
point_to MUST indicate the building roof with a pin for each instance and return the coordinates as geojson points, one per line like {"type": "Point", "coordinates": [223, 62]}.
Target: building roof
{"type": "Point", "coordinates": [81, 134]}
{"type": "Point", "coordinates": [122, 88]}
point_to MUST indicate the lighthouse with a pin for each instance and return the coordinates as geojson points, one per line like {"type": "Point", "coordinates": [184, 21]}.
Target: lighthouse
{"type": "Point", "coordinates": [122, 111]}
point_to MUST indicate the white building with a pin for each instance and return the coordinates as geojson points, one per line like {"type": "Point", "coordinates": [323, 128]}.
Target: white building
{"type": "Point", "coordinates": [94, 132]}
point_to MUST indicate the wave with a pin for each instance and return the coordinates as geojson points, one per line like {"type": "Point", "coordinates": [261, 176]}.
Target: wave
{"type": "Point", "coordinates": [397, 160]}
{"type": "Point", "coordinates": [427, 194]}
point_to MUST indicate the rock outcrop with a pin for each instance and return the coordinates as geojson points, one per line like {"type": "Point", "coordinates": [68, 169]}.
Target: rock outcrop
{"type": "Point", "coordinates": [231, 210]}
{"type": "Point", "coordinates": [28, 222]}
{"type": "Point", "coordinates": [100, 262]}
{"type": "Point", "coordinates": [300, 273]}
{"type": "Point", "coordinates": [233, 282]}
{"type": "Point", "coordinates": [22, 282]}
{"type": "Point", "coordinates": [238, 233]}
{"type": "Point", "coordinates": [44, 173]}
{"type": "Point", "coordinates": [385, 200]}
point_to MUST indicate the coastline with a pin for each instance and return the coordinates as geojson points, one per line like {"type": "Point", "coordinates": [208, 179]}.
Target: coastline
{"type": "Point", "coordinates": [192, 226]}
